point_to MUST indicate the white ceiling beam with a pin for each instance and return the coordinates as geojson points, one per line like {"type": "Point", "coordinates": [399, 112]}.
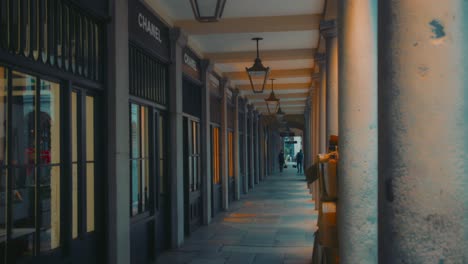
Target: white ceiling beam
{"type": "Point", "coordinates": [267, 55]}
{"type": "Point", "coordinates": [280, 86]}
{"type": "Point", "coordinates": [275, 74]}
{"type": "Point", "coordinates": [258, 97]}
{"type": "Point", "coordinates": [252, 25]}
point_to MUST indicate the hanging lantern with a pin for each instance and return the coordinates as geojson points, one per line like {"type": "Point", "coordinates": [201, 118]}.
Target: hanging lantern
{"type": "Point", "coordinates": [272, 102]}
{"type": "Point", "coordinates": [208, 10]}
{"type": "Point", "coordinates": [258, 74]}
{"type": "Point", "coordinates": [280, 113]}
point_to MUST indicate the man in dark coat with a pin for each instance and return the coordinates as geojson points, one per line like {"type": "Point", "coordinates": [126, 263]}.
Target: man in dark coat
{"type": "Point", "coordinates": [299, 159]}
{"type": "Point", "coordinates": [281, 160]}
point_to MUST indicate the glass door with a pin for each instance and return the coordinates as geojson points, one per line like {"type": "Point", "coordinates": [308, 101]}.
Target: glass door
{"type": "Point", "coordinates": [163, 193]}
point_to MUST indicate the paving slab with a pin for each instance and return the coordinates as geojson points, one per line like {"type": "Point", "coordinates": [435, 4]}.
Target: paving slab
{"type": "Point", "coordinates": [273, 223]}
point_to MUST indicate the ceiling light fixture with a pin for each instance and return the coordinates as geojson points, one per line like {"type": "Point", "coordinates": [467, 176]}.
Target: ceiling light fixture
{"type": "Point", "coordinates": [280, 112]}
{"type": "Point", "coordinates": [272, 102]}
{"type": "Point", "coordinates": [258, 74]}
{"type": "Point", "coordinates": [208, 10]}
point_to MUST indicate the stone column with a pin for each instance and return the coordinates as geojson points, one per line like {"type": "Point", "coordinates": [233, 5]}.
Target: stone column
{"type": "Point", "coordinates": [320, 59]}
{"type": "Point", "coordinates": [306, 134]}
{"type": "Point", "coordinates": [245, 155]}
{"type": "Point", "coordinates": [176, 138]}
{"type": "Point", "coordinates": [224, 145]}
{"type": "Point", "coordinates": [118, 169]}
{"type": "Point", "coordinates": [260, 148]}
{"type": "Point", "coordinates": [206, 68]}
{"type": "Point", "coordinates": [256, 148]}
{"type": "Point", "coordinates": [423, 131]}
{"type": "Point", "coordinates": [235, 96]}
{"type": "Point", "coordinates": [329, 32]}
{"type": "Point", "coordinates": [251, 148]}
{"type": "Point", "coordinates": [357, 170]}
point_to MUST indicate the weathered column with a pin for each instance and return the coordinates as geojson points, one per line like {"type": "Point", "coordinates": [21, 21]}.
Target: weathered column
{"type": "Point", "coordinates": [176, 139]}
{"type": "Point", "coordinates": [251, 148]}
{"type": "Point", "coordinates": [118, 169]}
{"type": "Point", "coordinates": [306, 134]}
{"type": "Point", "coordinates": [261, 145]}
{"type": "Point", "coordinates": [423, 128]}
{"type": "Point", "coordinates": [237, 187]}
{"type": "Point", "coordinates": [320, 59]}
{"type": "Point", "coordinates": [329, 32]}
{"type": "Point", "coordinates": [357, 170]}
{"type": "Point", "coordinates": [206, 68]}
{"type": "Point", "coordinates": [224, 145]}
{"type": "Point", "coordinates": [246, 148]}
{"type": "Point", "coordinates": [256, 148]}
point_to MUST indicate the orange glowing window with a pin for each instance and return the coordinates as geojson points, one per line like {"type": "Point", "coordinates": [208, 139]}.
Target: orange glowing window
{"type": "Point", "coordinates": [215, 151]}
{"type": "Point", "coordinates": [230, 155]}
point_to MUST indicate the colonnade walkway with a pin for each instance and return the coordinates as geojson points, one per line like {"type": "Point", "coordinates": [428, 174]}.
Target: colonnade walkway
{"type": "Point", "coordinates": [274, 223]}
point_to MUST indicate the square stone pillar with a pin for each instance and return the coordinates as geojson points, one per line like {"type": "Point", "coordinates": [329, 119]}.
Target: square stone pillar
{"type": "Point", "coordinates": [256, 147]}
{"type": "Point", "coordinates": [245, 187]}
{"type": "Point", "coordinates": [176, 138]}
{"type": "Point", "coordinates": [262, 148]}
{"type": "Point", "coordinates": [224, 145]}
{"type": "Point", "coordinates": [237, 187]}
{"type": "Point", "coordinates": [118, 169]}
{"type": "Point", "coordinates": [206, 68]}
{"type": "Point", "coordinates": [251, 148]}
{"type": "Point", "coordinates": [328, 30]}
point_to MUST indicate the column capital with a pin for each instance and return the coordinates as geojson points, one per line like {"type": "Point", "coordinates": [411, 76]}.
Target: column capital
{"type": "Point", "coordinates": [206, 65]}
{"type": "Point", "coordinates": [328, 28]}
{"type": "Point", "coordinates": [250, 108]}
{"type": "Point", "coordinates": [235, 93]}
{"type": "Point", "coordinates": [178, 37]}
{"type": "Point", "coordinates": [320, 58]}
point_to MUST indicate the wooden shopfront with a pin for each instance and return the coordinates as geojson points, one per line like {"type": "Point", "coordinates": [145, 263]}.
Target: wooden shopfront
{"type": "Point", "coordinates": [149, 56]}
{"type": "Point", "coordinates": [52, 178]}
{"type": "Point", "coordinates": [192, 93]}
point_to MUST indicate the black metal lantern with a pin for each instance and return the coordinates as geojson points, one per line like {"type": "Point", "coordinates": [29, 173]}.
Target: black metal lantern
{"type": "Point", "coordinates": [280, 112]}
{"type": "Point", "coordinates": [258, 74]}
{"type": "Point", "coordinates": [208, 10]}
{"type": "Point", "coordinates": [272, 102]}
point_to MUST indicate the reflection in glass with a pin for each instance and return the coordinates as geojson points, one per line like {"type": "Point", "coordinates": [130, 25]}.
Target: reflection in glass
{"type": "Point", "coordinates": [74, 200]}
{"type": "Point", "coordinates": [139, 162]}
{"type": "Point", "coordinates": [49, 124]}
{"type": "Point", "coordinates": [23, 217]}
{"type": "Point", "coordinates": [90, 163]}
{"type": "Point", "coordinates": [23, 120]}
{"type": "Point", "coordinates": [49, 207]}
{"type": "Point", "coordinates": [74, 125]}
{"type": "Point", "coordinates": [90, 197]}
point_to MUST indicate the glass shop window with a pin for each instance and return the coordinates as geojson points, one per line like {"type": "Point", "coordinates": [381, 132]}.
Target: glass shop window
{"type": "Point", "coordinates": [30, 159]}
{"type": "Point", "coordinates": [216, 157]}
{"type": "Point", "coordinates": [139, 159]}
{"type": "Point", "coordinates": [83, 162]}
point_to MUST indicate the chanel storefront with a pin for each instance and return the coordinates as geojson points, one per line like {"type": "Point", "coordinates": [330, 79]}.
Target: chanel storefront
{"type": "Point", "coordinates": [51, 166]}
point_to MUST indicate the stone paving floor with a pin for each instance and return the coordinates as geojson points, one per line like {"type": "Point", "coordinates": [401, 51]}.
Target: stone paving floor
{"type": "Point", "coordinates": [274, 223]}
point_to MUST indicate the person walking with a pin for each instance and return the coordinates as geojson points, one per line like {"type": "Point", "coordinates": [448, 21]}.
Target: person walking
{"type": "Point", "coordinates": [281, 160]}
{"type": "Point", "coordinates": [299, 158]}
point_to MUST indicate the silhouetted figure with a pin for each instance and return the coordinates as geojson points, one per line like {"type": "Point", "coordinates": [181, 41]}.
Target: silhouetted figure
{"type": "Point", "coordinates": [299, 159]}
{"type": "Point", "coordinates": [281, 160]}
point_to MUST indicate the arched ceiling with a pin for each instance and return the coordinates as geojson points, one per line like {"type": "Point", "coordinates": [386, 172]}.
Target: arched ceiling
{"type": "Point", "coordinates": [291, 37]}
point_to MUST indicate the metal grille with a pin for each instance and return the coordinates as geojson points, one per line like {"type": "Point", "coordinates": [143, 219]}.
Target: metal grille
{"type": "Point", "coordinates": [54, 33]}
{"type": "Point", "coordinates": [148, 76]}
